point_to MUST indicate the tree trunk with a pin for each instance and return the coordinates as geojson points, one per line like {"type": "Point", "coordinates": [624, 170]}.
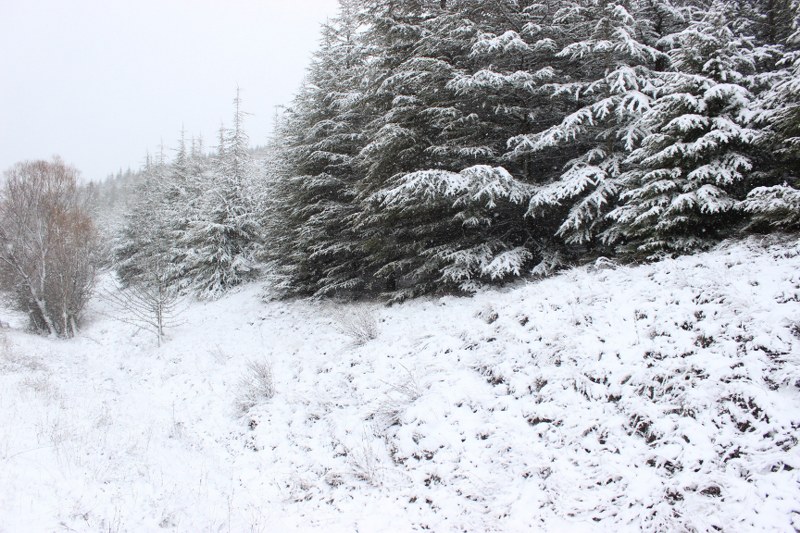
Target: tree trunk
{"type": "Point", "coordinates": [41, 306]}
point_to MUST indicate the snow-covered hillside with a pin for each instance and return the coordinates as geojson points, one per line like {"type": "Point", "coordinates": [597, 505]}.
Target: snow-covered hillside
{"type": "Point", "coordinates": [658, 398]}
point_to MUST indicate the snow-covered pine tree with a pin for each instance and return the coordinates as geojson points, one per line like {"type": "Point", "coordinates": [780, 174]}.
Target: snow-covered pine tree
{"type": "Point", "coordinates": [394, 132]}
{"type": "Point", "coordinates": [315, 246]}
{"type": "Point", "coordinates": [453, 214]}
{"type": "Point", "coordinates": [177, 205]}
{"type": "Point", "coordinates": [776, 202]}
{"type": "Point", "coordinates": [165, 202]}
{"type": "Point", "coordinates": [769, 22]}
{"type": "Point", "coordinates": [407, 96]}
{"type": "Point", "coordinates": [680, 186]}
{"type": "Point", "coordinates": [182, 199]}
{"type": "Point", "coordinates": [774, 206]}
{"type": "Point", "coordinates": [415, 150]}
{"type": "Point", "coordinates": [220, 239]}
{"type": "Point", "coordinates": [143, 235]}
{"type": "Point", "coordinates": [613, 79]}
{"type": "Point", "coordinates": [460, 228]}
{"type": "Point", "coordinates": [500, 88]}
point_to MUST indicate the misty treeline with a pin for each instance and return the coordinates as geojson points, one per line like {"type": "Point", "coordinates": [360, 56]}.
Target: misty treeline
{"type": "Point", "coordinates": [442, 145]}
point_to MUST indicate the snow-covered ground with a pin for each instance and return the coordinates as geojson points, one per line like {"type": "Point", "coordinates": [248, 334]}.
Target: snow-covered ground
{"type": "Point", "coordinates": [663, 397]}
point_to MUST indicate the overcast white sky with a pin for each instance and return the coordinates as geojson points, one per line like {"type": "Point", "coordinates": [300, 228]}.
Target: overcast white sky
{"type": "Point", "coordinates": [99, 82]}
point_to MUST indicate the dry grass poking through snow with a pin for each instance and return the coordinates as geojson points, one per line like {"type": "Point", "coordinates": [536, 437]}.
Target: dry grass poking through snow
{"type": "Point", "coordinates": [256, 386]}
{"type": "Point", "coordinates": [357, 322]}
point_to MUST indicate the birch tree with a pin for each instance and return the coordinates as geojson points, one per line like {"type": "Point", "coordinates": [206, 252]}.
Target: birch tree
{"type": "Point", "coordinates": [47, 245]}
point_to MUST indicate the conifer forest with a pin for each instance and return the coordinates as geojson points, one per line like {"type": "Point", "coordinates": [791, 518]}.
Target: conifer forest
{"type": "Point", "coordinates": [440, 146]}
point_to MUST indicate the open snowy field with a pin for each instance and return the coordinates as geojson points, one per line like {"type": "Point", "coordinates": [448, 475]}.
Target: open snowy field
{"type": "Point", "coordinates": [664, 397]}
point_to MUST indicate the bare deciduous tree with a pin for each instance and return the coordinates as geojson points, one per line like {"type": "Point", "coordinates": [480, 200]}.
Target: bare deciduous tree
{"type": "Point", "coordinates": [47, 245]}
{"type": "Point", "coordinates": [150, 303]}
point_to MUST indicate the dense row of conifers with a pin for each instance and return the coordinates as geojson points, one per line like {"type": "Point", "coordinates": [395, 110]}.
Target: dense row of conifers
{"type": "Point", "coordinates": [440, 145]}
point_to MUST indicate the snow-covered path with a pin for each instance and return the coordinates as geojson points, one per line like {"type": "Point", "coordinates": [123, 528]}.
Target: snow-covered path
{"type": "Point", "coordinates": [663, 397]}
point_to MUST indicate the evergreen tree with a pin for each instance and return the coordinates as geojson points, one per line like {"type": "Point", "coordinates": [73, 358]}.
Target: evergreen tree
{"type": "Point", "coordinates": [437, 145]}
{"type": "Point", "coordinates": [613, 80]}
{"type": "Point", "coordinates": [777, 201]}
{"type": "Point", "coordinates": [681, 185]}
{"type": "Point", "coordinates": [770, 22]}
{"type": "Point", "coordinates": [144, 236]}
{"type": "Point", "coordinates": [220, 240]}
{"type": "Point", "coordinates": [317, 249]}
{"type": "Point", "coordinates": [448, 213]}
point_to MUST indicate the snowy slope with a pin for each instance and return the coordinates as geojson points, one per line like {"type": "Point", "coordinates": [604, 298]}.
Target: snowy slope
{"type": "Point", "coordinates": [664, 397]}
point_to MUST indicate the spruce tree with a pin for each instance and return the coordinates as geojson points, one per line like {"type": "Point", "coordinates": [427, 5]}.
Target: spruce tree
{"type": "Point", "coordinates": [453, 214]}
{"type": "Point", "coordinates": [317, 250]}
{"type": "Point", "coordinates": [221, 239]}
{"type": "Point", "coordinates": [681, 185]}
{"type": "Point", "coordinates": [437, 145]}
{"type": "Point", "coordinates": [612, 77]}
{"type": "Point", "coordinates": [144, 236]}
{"type": "Point", "coordinates": [776, 202]}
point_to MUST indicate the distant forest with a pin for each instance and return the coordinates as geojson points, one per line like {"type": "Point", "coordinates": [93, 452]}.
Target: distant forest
{"type": "Point", "coordinates": [440, 146]}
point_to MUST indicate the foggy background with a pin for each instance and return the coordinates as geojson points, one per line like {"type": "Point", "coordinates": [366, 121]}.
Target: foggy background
{"type": "Point", "coordinates": [99, 83]}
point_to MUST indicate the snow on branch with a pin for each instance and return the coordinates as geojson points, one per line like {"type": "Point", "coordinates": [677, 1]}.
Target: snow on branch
{"type": "Point", "coordinates": [509, 42]}
{"type": "Point", "coordinates": [478, 184]}
{"type": "Point", "coordinates": [779, 206]}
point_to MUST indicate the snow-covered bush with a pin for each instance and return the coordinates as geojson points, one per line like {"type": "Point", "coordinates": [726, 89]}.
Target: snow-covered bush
{"type": "Point", "coordinates": [365, 463]}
